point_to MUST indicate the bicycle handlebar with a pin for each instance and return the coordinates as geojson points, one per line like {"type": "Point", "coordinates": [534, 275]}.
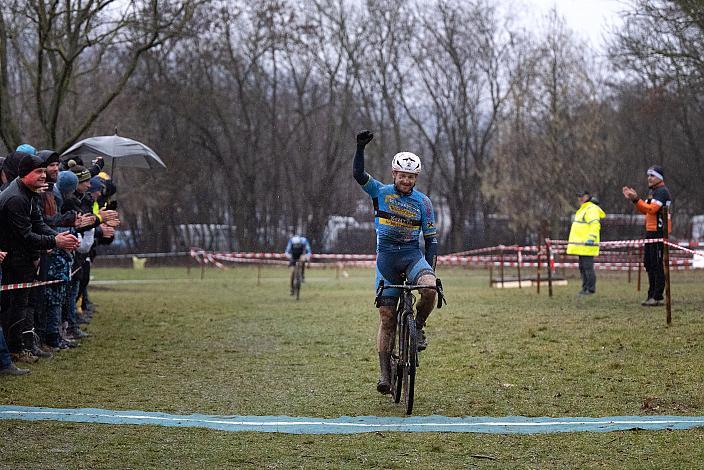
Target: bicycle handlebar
{"type": "Point", "coordinates": [411, 287]}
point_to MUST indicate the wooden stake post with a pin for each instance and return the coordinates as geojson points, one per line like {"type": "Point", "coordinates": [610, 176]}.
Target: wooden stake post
{"type": "Point", "coordinates": [548, 250]}
{"type": "Point", "coordinates": [640, 266]}
{"type": "Point", "coordinates": [666, 264]}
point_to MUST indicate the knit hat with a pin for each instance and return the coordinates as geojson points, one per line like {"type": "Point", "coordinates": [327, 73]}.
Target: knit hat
{"type": "Point", "coordinates": [656, 171]}
{"type": "Point", "coordinates": [26, 148]}
{"type": "Point", "coordinates": [96, 184]}
{"type": "Point", "coordinates": [48, 157]}
{"type": "Point", "coordinates": [81, 172]}
{"type": "Point", "coordinates": [28, 164]}
{"type": "Point", "coordinates": [67, 182]}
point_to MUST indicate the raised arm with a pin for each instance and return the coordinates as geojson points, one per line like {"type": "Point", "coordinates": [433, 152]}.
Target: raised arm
{"type": "Point", "coordinates": [363, 138]}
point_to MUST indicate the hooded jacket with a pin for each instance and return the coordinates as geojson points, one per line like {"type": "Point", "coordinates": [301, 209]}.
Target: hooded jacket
{"type": "Point", "coordinates": [11, 167]}
{"type": "Point", "coordinates": [64, 187]}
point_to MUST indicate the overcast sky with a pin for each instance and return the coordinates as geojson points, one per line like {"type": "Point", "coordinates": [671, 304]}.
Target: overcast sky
{"type": "Point", "coordinates": [590, 19]}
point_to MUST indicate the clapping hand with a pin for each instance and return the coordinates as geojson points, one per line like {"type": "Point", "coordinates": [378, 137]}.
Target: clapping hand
{"type": "Point", "coordinates": [67, 241]}
{"type": "Point", "coordinates": [629, 193]}
{"type": "Point", "coordinates": [108, 231]}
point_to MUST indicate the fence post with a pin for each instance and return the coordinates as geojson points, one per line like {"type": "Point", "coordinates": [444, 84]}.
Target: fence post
{"type": "Point", "coordinates": [520, 260]}
{"type": "Point", "coordinates": [501, 268]}
{"type": "Point", "coordinates": [666, 262]}
{"type": "Point", "coordinates": [548, 250]}
{"type": "Point", "coordinates": [537, 274]}
{"type": "Point", "coordinates": [640, 265]}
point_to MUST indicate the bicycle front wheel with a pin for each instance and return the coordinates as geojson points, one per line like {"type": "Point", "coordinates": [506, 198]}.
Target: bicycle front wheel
{"type": "Point", "coordinates": [297, 281]}
{"type": "Point", "coordinates": [411, 356]}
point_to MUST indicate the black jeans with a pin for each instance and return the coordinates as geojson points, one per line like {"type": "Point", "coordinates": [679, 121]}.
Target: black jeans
{"type": "Point", "coordinates": [586, 270]}
{"type": "Point", "coordinates": [652, 260]}
{"type": "Point", "coordinates": [17, 317]}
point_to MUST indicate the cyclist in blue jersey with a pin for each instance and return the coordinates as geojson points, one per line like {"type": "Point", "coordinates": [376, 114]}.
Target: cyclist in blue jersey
{"type": "Point", "coordinates": [297, 248]}
{"type": "Point", "coordinates": [401, 215]}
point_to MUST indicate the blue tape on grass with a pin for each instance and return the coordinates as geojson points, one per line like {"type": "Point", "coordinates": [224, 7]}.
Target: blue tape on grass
{"type": "Point", "coordinates": [355, 424]}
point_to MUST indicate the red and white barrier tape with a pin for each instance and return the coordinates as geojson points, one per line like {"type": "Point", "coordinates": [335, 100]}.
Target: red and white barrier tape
{"type": "Point", "coordinates": [612, 260]}
{"type": "Point", "coordinates": [29, 285]}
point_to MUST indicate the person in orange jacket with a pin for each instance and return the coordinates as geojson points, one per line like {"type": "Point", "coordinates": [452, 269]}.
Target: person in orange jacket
{"type": "Point", "coordinates": [657, 198]}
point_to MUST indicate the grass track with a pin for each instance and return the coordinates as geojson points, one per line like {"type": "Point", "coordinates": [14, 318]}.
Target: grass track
{"type": "Point", "coordinates": [227, 346]}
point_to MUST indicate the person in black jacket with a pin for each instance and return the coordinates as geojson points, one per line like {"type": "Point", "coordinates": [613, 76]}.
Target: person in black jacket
{"type": "Point", "coordinates": [53, 218]}
{"type": "Point", "coordinates": [23, 234]}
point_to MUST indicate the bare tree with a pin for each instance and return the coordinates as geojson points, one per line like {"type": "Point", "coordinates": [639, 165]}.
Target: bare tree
{"type": "Point", "coordinates": [50, 52]}
{"type": "Point", "coordinates": [462, 65]}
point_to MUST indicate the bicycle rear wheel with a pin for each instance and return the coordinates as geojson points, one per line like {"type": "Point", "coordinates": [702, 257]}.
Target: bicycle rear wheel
{"type": "Point", "coordinates": [297, 281]}
{"type": "Point", "coordinates": [409, 373]}
{"type": "Point", "coordinates": [396, 377]}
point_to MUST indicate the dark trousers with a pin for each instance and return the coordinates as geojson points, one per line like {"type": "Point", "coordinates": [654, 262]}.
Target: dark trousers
{"type": "Point", "coordinates": [586, 270]}
{"type": "Point", "coordinates": [17, 317]}
{"type": "Point", "coordinates": [652, 260]}
{"type": "Point", "coordinates": [84, 275]}
{"type": "Point", "coordinates": [5, 359]}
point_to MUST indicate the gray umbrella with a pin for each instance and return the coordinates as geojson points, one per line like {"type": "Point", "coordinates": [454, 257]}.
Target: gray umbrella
{"type": "Point", "coordinates": [130, 153]}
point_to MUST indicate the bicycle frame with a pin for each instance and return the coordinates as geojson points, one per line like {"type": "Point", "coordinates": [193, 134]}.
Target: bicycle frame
{"type": "Point", "coordinates": [298, 278]}
{"type": "Point", "coordinates": [404, 357]}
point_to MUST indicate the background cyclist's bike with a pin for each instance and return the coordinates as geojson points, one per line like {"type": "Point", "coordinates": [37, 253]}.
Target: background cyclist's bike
{"type": "Point", "coordinates": [298, 278]}
{"type": "Point", "coordinates": [404, 357]}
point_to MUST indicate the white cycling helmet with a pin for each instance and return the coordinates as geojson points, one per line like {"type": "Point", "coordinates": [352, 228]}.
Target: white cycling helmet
{"type": "Point", "coordinates": [407, 162]}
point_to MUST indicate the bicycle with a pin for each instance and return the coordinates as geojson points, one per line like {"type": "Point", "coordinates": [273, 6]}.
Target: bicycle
{"type": "Point", "coordinates": [404, 356]}
{"type": "Point", "coordinates": [298, 278]}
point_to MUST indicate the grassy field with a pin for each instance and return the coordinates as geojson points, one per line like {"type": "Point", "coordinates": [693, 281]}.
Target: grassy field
{"type": "Point", "coordinates": [225, 346]}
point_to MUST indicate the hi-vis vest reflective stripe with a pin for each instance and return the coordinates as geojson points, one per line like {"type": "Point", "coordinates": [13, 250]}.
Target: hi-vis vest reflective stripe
{"type": "Point", "coordinates": [585, 226]}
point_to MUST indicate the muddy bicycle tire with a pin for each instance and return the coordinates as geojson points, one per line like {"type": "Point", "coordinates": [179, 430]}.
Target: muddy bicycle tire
{"type": "Point", "coordinates": [411, 356]}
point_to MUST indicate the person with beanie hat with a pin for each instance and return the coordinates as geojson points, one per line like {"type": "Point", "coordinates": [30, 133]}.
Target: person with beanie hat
{"type": "Point", "coordinates": [81, 172]}
{"type": "Point", "coordinates": [657, 198]}
{"type": "Point", "coordinates": [65, 186]}
{"type": "Point", "coordinates": [53, 218]}
{"type": "Point", "coordinates": [96, 187]}
{"type": "Point", "coordinates": [23, 234]}
{"type": "Point", "coordinates": [29, 163]}
{"type": "Point", "coordinates": [97, 165]}
{"type": "Point", "coordinates": [10, 168]}
{"type": "Point", "coordinates": [26, 148]}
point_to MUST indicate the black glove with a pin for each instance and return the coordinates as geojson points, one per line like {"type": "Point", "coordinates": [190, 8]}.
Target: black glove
{"type": "Point", "coordinates": [364, 137]}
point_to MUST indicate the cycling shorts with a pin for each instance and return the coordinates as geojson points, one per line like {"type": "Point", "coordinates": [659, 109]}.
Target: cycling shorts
{"type": "Point", "coordinates": [391, 265]}
{"type": "Point", "coordinates": [294, 259]}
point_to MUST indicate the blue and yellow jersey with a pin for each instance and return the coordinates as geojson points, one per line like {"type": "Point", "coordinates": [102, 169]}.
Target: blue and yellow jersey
{"type": "Point", "coordinates": [399, 218]}
{"type": "Point", "coordinates": [297, 246]}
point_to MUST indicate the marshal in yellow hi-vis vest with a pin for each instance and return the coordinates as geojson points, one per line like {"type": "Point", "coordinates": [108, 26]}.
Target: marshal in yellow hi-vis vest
{"type": "Point", "coordinates": [584, 234]}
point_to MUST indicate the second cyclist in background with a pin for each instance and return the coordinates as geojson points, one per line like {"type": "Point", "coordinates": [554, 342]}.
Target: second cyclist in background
{"type": "Point", "coordinates": [297, 248]}
{"type": "Point", "coordinates": [401, 214]}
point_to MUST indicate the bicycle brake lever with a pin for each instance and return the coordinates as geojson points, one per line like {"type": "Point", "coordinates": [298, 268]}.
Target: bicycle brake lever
{"type": "Point", "coordinates": [379, 291]}
{"type": "Point", "coordinates": [441, 293]}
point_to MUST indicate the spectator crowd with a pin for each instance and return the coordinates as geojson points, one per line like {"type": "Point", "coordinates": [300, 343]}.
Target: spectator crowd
{"type": "Point", "coordinates": [53, 214]}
